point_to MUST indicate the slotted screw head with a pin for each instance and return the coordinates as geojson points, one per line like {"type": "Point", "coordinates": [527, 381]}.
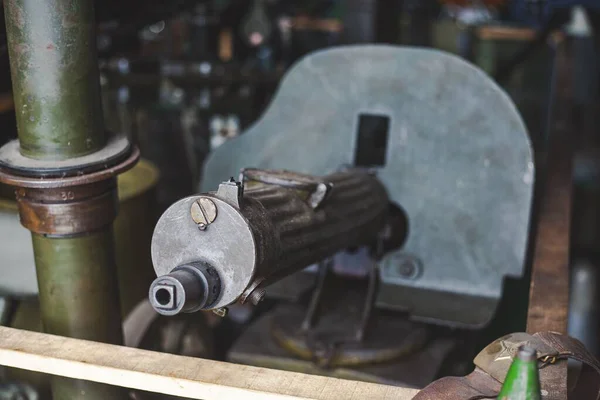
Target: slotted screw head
{"type": "Point", "coordinates": [203, 212]}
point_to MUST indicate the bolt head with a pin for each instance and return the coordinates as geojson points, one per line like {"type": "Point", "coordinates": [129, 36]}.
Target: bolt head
{"type": "Point", "coordinates": [404, 266]}
{"type": "Point", "coordinates": [257, 296]}
{"type": "Point", "coordinates": [408, 267]}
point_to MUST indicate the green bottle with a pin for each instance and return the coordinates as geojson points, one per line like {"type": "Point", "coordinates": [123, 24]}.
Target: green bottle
{"type": "Point", "coordinates": [522, 381]}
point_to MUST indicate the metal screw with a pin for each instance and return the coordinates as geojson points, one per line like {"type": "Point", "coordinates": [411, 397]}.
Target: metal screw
{"type": "Point", "coordinates": [257, 296]}
{"type": "Point", "coordinates": [221, 312]}
{"type": "Point", "coordinates": [203, 212]}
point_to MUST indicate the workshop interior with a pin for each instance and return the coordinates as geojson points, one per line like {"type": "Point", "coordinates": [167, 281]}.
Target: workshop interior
{"type": "Point", "coordinates": [398, 192]}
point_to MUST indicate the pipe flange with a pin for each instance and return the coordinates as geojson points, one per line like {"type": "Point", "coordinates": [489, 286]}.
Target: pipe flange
{"type": "Point", "coordinates": [8, 176]}
{"type": "Point", "coordinates": [71, 205]}
{"type": "Point", "coordinates": [115, 151]}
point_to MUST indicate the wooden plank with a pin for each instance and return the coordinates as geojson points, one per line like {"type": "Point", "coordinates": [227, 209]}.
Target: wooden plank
{"type": "Point", "coordinates": [175, 375]}
{"type": "Point", "coordinates": [549, 290]}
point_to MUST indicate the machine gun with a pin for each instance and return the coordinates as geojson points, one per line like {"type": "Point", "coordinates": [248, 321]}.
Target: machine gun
{"type": "Point", "coordinates": [215, 249]}
{"type": "Point", "coordinates": [412, 159]}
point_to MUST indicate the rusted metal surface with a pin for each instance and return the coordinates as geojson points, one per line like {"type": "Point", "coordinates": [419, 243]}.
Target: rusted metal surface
{"type": "Point", "coordinates": [549, 291]}
{"type": "Point", "coordinates": [71, 205]}
{"type": "Point", "coordinates": [69, 211]}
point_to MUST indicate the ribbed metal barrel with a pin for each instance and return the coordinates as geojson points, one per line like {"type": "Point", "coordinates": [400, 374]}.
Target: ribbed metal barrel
{"type": "Point", "coordinates": [352, 214]}
{"type": "Point", "coordinates": [254, 234]}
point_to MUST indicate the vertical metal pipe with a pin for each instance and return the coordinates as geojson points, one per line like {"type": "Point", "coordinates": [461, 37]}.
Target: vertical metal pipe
{"type": "Point", "coordinates": [583, 305]}
{"type": "Point", "coordinates": [52, 49]}
{"type": "Point", "coordinates": [54, 67]}
{"type": "Point", "coordinates": [79, 298]}
{"type": "Point", "coordinates": [78, 286]}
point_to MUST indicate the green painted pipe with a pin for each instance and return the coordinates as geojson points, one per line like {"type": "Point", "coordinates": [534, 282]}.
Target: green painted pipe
{"type": "Point", "coordinates": [79, 298]}
{"type": "Point", "coordinates": [77, 280]}
{"type": "Point", "coordinates": [54, 69]}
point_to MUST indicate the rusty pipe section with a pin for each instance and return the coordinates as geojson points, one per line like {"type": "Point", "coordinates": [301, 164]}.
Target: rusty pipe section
{"type": "Point", "coordinates": [217, 248]}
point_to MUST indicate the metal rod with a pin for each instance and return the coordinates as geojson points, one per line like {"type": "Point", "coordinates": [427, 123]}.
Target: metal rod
{"type": "Point", "coordinates": [56, 87]}
{"type": "Point", "coordinates": [52, 49]}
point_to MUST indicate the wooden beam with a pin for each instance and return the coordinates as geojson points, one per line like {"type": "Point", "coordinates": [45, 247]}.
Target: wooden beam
{"type": "Point", "coordinates": [175, 375]}
{"type": "Point", "coordinates": [549, 290]}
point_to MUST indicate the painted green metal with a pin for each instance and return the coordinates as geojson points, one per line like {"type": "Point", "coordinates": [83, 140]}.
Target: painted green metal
{"type": "Point", "coordinates": [67, 389]}
{"type": "Point", "coordinates": [53, 59]}
{"type": "Point", "coordinates": [522, 381]}
{"type": "Point", "coordinates": [79, 298]}
{"type": "Point", "coordinates": [78, 286]}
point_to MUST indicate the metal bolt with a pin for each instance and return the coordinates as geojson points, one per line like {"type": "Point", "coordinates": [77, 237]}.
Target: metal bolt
{"type": "Point", "coordinates": [407, 268]}
{"type": "Point", "coordinates": [404, 266]}
{"type": "Point", "coordinates": [221, 312]}
{"type": "Point", "coordinates": [203, 212]}
{"type": "Point", "coordinates": [257, 296]}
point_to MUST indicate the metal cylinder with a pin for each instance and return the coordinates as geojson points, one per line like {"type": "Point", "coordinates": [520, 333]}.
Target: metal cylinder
{"type": "Point", "coordinates": [255, 233]}
{"type": "Point", "coordinates": [76, 303]}
{"type": "Point", "coordinates": [79, 298]}
{"type": "Point", "coordinates": [56, 87]}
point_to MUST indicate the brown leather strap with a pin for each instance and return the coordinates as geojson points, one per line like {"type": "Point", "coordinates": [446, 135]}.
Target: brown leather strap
{"type": "Point", "coordinates": [588, 383]}
{"type": "Point", "coordinates": [477, 385]}
{"type": "Point", "coordinates": [480, 385]}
